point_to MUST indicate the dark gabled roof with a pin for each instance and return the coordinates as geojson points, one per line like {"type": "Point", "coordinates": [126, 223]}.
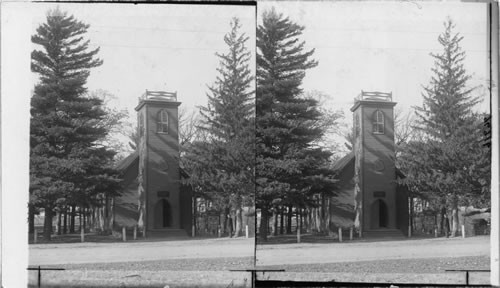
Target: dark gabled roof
{"type": "Point", "coordinates": [399, 173]}
{"type": "Point", "coordinates": [340, 164]}
{"type": "Point", "coordinates": [127, 161]}
{"type": "Point", "coordinates": [183, 173]}
{"type": "Point", "coordinates": [343, 162]}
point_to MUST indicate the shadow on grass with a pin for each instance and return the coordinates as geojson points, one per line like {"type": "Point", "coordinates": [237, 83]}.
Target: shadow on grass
{"type": "Point", "coordinates": [326, 239]}
{"type": "Point", "coordinates": [97, 238]}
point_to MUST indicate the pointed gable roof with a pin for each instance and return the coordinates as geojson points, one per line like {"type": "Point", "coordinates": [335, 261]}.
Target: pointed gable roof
{"type": "Point", "coordinates": [128, 161]}
{"type": "Point", "coordinates": [343, 162]}
{"type": "Point", "coordinates": [125, 163]}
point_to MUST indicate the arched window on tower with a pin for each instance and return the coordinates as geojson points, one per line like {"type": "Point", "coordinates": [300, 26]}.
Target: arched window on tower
{"type": "Point", "coordinates": [378, 122]}
{"type": "Point", "coordinates": [162, 122]}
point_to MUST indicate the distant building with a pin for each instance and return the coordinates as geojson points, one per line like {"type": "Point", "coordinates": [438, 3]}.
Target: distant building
{"type": "Point", "coordinates": [154, 199]}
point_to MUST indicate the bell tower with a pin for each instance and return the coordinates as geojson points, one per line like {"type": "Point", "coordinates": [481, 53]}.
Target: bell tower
{"type": "Point", "coordinates": [159, 173]}
{"type": "Point", "coordinates": [374, 170]}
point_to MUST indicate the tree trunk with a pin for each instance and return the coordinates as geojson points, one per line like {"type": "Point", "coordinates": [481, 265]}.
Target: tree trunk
{"type": "Point", "coordinates": [263, 224]}
{"type": "Point", "coordinates": [80, 222]}
{"type": "Point", "coordinates": [301, 218]}
{"type": "Point", "coordinates": [282, 220]}
{"type": "Point", "coordinates": [84, 218]}
{"type": "Point", "coordinates": [440, 220]}
{"type": "Point", "coordinates": [289, 220]}
{"type": "Point", "coordinates": [275, 227]}
{"type": "Point", "coordinates": [239, 223]}
{"type": "Point", "coordinates": [308, 220]}
{"type": "Point", "coordinates": [411, 216]}
{"type": "Point", "coordinates": [454, 216]}
{"type": "Point", "coordinates": [323, 214]}
{"type": "Point", "coordinates": [195, 214]}
{"type": "Point", "coordinates": [31, 219]}
{"type": "Point", "coordinates": [72, 221]}
{"type": "Point", "coordinates": [297, 219]}
{"type": "Point", "coordinates": [92, 219]}
{"type": "Point", "coordinates": [225, 227]}
{"type": "Point", "coordinates": [105, 215]}
{"type": "Point", "coordinates": [65, 228]}
{"type": "Point", "coordinates": [47, 224]}
{"type": "Point", "coordinates": [59, 220]}
{"type": "Point", "coordinates": [298, 227]}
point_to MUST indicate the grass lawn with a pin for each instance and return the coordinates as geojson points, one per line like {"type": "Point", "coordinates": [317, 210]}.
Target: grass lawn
{"type": "Point", "coordinates": [97, 238]}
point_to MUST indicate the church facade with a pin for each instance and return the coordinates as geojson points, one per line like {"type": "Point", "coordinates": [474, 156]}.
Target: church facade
{"type": "Point", "coordinates": [154, 199]}
{"type": "Point", "coordinates": [369, 197]}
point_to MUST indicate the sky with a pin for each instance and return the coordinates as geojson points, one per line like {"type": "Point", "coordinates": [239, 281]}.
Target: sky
{"type": "Point", "coordinates": [383, 46]}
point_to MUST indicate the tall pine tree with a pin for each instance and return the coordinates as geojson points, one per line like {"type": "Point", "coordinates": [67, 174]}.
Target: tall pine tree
{"type": "Point", "coordinates": [68, 166]}
{"type": "Point", "coordinates": [450, 165]}
{"type": "Point", "coordinates": [290, 165]}
{"type": "Point", "coordinates": [221, 164]}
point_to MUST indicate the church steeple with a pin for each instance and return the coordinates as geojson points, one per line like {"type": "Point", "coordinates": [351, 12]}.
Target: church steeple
{"type": "Point", "coordinates": [159, 175]}
{"type": "Point", "coordinates": [375, 171]}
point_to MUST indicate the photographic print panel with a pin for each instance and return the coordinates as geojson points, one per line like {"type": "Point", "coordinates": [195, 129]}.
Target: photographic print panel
{"type": "Point", "coordinates": [140, 133]}
{"type": "Point", "coordinates": [374, 156]}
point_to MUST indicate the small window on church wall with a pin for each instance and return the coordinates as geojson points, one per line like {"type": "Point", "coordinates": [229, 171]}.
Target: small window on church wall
{"type": "Point", "coordinates": [378, 122]}
{"type": "Point", "coordinates": [162, 122]}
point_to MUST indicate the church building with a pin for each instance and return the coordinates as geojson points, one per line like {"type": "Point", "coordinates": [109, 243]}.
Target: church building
{"type": "Point", "coordinates": [154, 198]}
{"type": "Point", "coordinates": [370, 198]}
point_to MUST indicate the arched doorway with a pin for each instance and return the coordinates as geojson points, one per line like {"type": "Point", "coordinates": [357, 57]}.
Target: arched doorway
{"type": "Point", "coordinates": [163, 217]}
{"type": "Point", "coordinates": [379, 215]}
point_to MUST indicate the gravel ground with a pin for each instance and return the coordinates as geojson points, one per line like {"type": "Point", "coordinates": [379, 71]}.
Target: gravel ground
{"type": "Point", "coordinates": [129, 278]}
{"type": "Point", "coordinates": [362, 251]}
{"type": "Point", "coordinates": [81, 253]}
{"type": "Point", "coordinates": [203, 264]}
{"type": "Point", "coordinates": [425, 265]}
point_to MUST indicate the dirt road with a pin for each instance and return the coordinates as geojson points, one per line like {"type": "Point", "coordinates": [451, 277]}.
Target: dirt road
{"type": "Point", "coordinates": [76, 253]}
{"type": "Point", "coordinates": [399, 261]}
{"type": "Point", "coordinates": [372, 250]}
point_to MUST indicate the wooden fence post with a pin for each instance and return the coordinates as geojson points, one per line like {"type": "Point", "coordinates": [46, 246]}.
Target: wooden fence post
{"type": "Point", "coordinates": [340, 234]}
{"type": "Point", "coordinates": [35, 236]}
{"type": "Point", "coordinates": [351, 232]}
{"type": "Point", "coordinates": [463, 231]}
{"type": "Point", "coordinates": [298, 232]}
{"type": "Point", "coordinates": [246, 231]}
{"type": "Point", "coordinates": [135, 232]}
{"type": "Point", "coordinates": [124, 234]}
{"type": "Point", "coordinates": [82, 235]}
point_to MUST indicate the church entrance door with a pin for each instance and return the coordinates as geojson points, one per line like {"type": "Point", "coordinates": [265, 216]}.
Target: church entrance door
{"type": "Point", "coordinates": [383, 217]}
{"type": "Point", "coordinates": [162, 214]}
{"type": "Point", "coordinates": [379, 215]}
